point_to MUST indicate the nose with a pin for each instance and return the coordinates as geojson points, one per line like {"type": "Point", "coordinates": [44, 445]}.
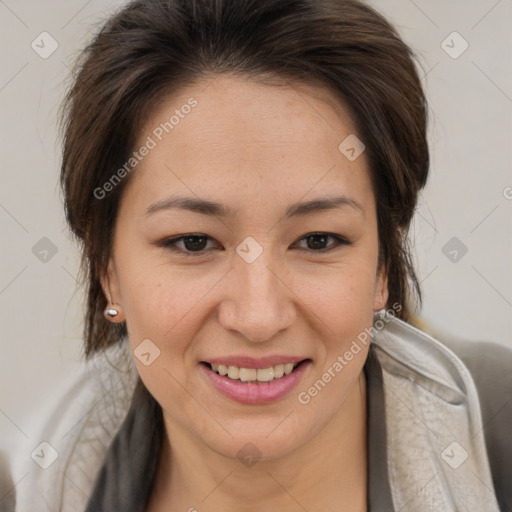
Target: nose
{"type": "Point", "coordinates": [259, 303]}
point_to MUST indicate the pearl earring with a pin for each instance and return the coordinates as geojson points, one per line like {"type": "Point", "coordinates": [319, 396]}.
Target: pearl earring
{"type": "Point", "coordinates": [110, 312]}
{"type": "Point", "coordinates": [380, 314]}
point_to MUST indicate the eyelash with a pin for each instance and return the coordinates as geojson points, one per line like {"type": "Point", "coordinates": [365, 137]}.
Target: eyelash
{"type": "Point", "coordinates": [170, 243]}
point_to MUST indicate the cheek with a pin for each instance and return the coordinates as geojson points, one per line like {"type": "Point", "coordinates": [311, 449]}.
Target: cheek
{"type": "Point", "coordinates": [342, 303]}
{"type": "Point", "coordinates": [160, 303]}
{"type": "Point", "coordinates": [343, 306]}
{"type": "Point", "coordinates": [164, 306]}
{"type": "Point", "coordinates": [340, 296]}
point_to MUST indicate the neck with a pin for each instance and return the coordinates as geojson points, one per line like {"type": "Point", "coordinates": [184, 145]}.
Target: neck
{"type": "Point", "coordinates": [329, 472]}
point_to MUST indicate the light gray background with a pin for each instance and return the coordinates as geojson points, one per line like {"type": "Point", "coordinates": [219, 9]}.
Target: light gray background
{"type": "Point", "coordinates": [469, 194]}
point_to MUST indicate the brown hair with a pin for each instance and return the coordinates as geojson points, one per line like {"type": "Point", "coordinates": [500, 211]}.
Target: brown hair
{"type": "Point", "coordinates": [153, 47]}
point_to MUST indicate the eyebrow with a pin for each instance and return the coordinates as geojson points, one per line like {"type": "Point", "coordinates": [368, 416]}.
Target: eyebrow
{"type": "Point", "coordinates": [212, 208]}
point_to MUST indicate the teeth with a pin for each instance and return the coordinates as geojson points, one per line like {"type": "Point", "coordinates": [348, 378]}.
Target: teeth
{"type": "Point", "coordinates": [245, 374]}
{"type": "Point", "coordinates": [233, 372]}
{"type": "Point", "coordinates": [278, 371]}
{"type": "Point", "coordinates": [288, 368]}
{"type": "Point", "coordinates": [265, 374]}
{"type": "Point", "coordinates": [254, 374]}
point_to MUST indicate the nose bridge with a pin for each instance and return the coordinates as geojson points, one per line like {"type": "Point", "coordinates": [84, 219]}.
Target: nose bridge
{"type": "Point", "coordinates": [258, 282]}
{"type": "Point", "coordinates": [258, 306]}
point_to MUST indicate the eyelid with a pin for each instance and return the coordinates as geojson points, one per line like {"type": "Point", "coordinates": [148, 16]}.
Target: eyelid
{"type": "Point", "coordinates": [170, 243]}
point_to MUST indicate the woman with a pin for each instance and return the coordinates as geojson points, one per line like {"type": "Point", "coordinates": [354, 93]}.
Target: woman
{"type": "Point", "coordinates": [241, 176]}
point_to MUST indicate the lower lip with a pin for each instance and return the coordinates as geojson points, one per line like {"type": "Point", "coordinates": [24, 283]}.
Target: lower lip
{"type": "Point", "coordinates": [256, 393]}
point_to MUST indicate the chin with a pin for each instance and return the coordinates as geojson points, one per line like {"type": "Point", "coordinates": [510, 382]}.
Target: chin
{"type": "Point", "coordinates": [250, 442]}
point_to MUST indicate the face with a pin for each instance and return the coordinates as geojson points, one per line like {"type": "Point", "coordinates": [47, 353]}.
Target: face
{"type": "Point", "coordinates": [251, 279]}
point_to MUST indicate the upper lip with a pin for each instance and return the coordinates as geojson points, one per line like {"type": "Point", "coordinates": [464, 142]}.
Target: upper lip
{"type": "Point", "coordinates": [252, 362]}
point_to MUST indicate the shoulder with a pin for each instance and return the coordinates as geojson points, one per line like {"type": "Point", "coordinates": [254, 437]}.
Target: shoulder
{"type": "Point", "coordinates": [487, 361]}
{"type": "Point", "coordinates": [490, 365]}
{"type": "Point", "coordinates": [70, 432]}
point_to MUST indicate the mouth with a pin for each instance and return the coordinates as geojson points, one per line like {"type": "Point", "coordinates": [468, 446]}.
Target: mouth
{"type": "Point", "coordinates": [251, 385]}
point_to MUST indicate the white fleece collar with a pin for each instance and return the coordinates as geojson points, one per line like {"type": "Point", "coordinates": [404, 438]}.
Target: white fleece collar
{"type": "Point", "coordinates": [437, 459]}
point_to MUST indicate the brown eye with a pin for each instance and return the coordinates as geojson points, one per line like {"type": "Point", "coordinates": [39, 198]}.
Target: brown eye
{"type": "Point", "coordinates": [194, 243]}
{"type": "Point", "coordinates": [191, 243]}
{"type": "Point", "coordinates": [316, 242]}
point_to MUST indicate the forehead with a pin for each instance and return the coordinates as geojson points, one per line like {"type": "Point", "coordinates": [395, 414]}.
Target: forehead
{"type": "Point", "coordinates": [245, 143]}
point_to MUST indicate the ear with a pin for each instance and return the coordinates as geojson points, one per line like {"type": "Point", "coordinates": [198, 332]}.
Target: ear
{"type": "Point", "coordinates": [381, 295]}
{"type": "Point", "coordinates": [110, 285]}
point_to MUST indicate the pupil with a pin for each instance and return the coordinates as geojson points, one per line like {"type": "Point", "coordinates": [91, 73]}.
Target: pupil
{"type": "Point", "coordinates": [192, 240]}
{"type": "Point", "coordinates": [322, 239]}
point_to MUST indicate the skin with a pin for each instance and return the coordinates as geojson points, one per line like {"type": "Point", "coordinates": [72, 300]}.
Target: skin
{"type": "Point", "coordinates": [256, 148]}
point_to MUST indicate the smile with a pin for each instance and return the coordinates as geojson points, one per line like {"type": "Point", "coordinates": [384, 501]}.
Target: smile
{"type": "Point", "coordinates": [254, 386]}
